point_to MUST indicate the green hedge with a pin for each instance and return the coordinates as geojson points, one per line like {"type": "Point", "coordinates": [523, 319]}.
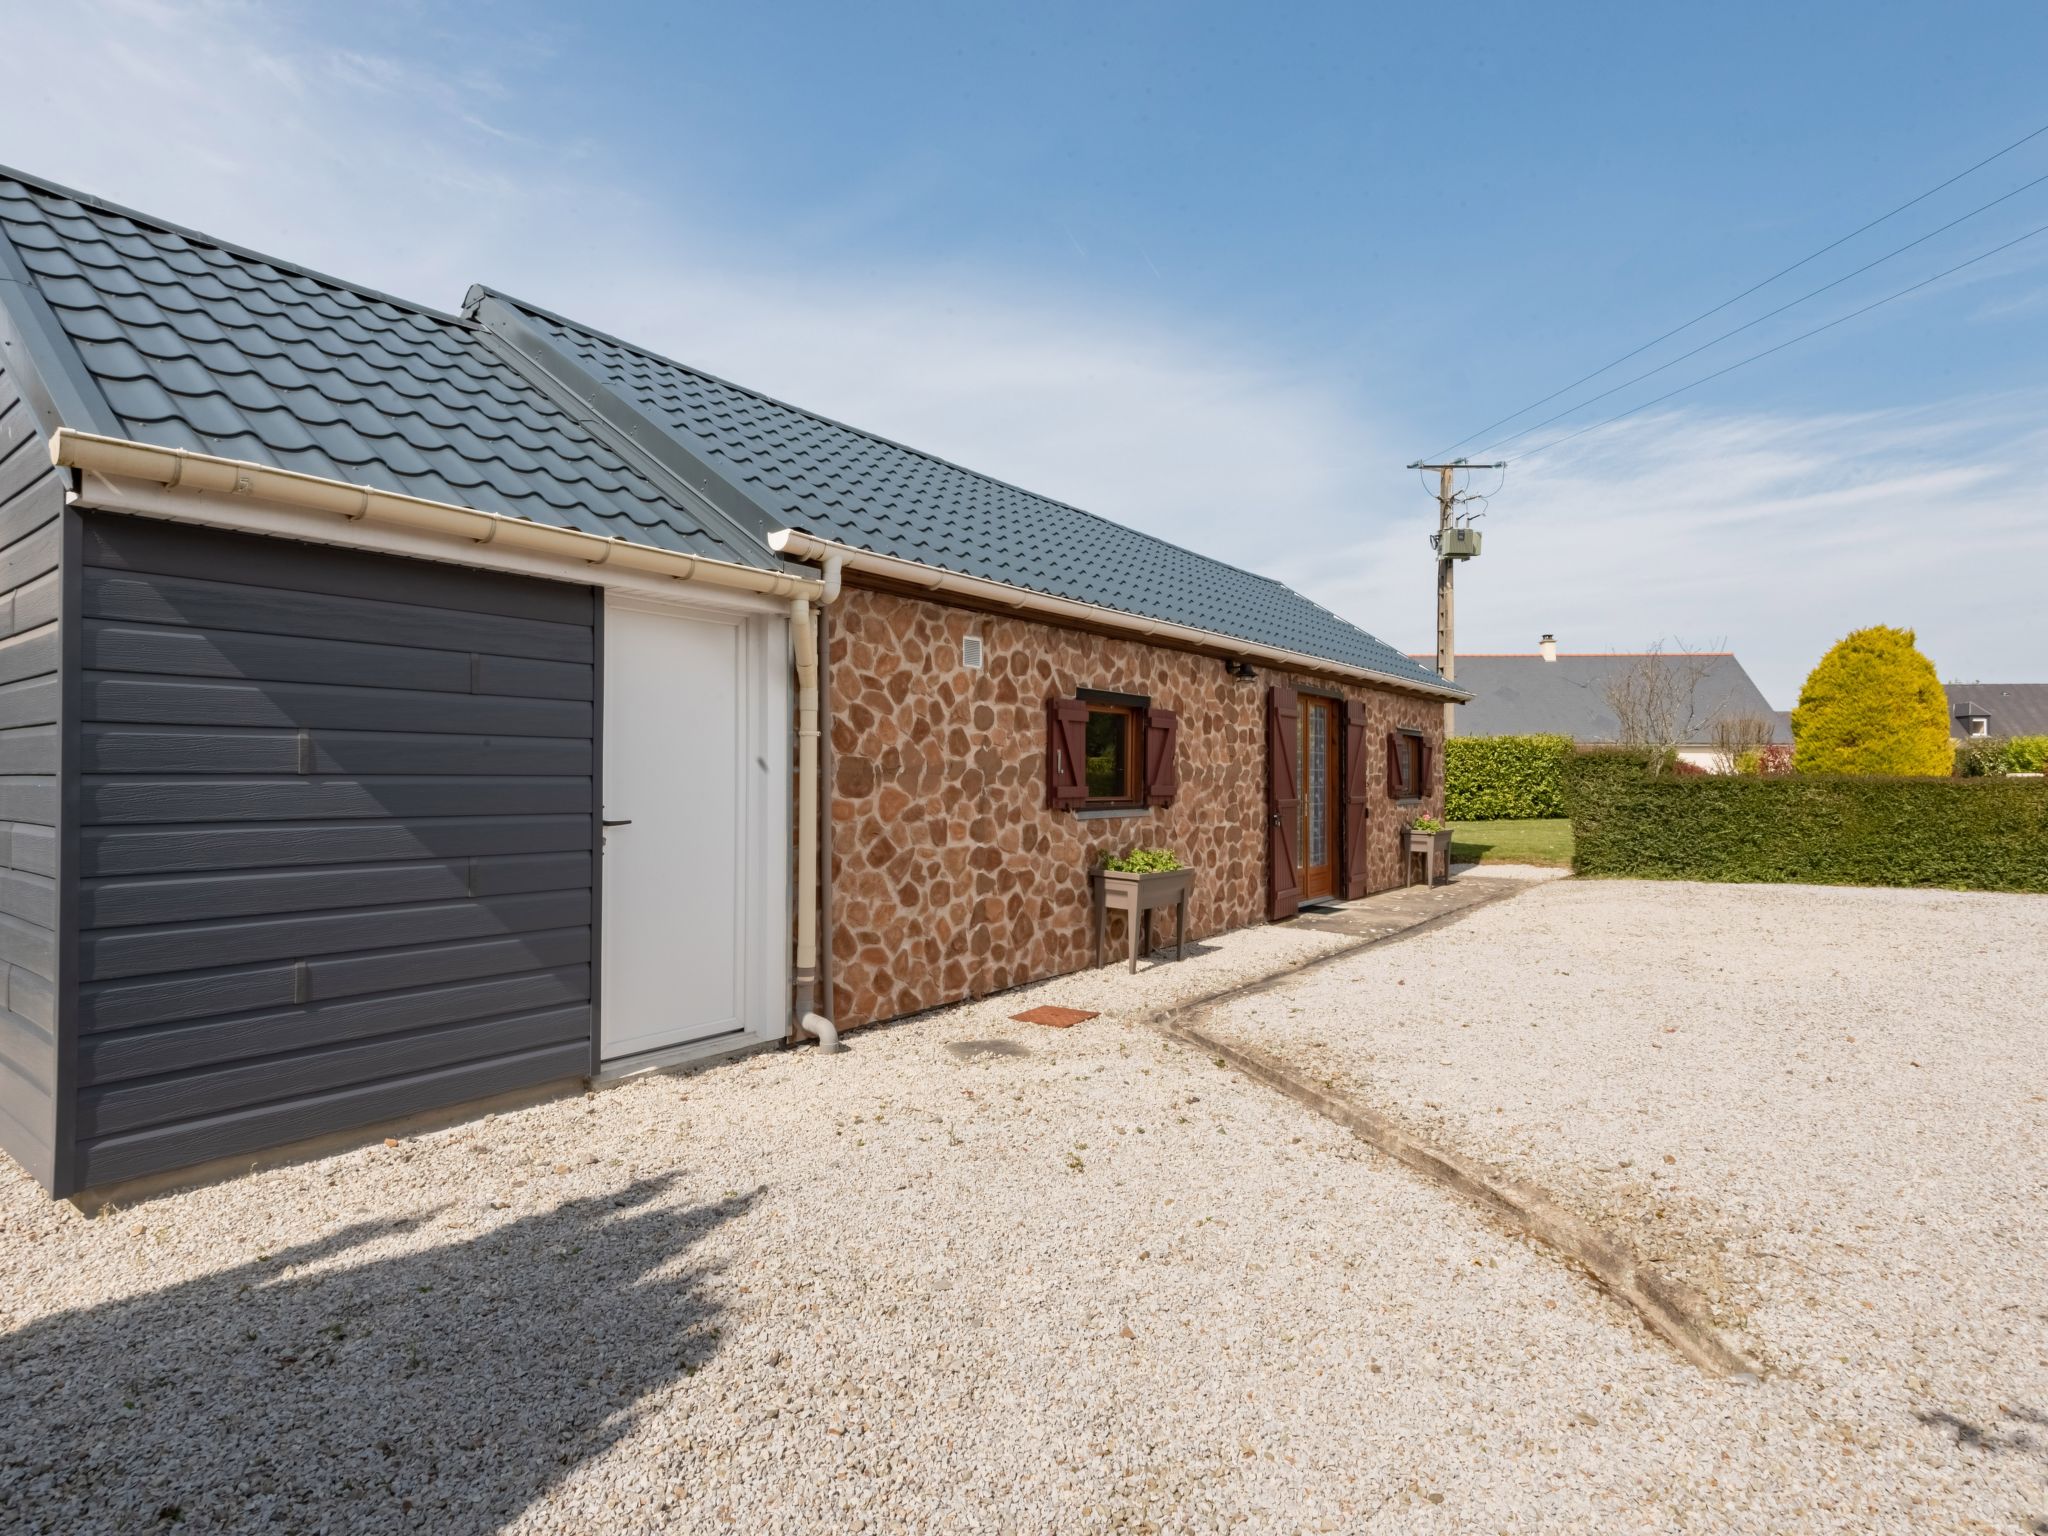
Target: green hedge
{"type": "Point", "coordinates": [1984, 755]}
{"type": "Point", "coordinates": [1985, 834]}
{"type": "Point", "coordinates": [1504, 778]}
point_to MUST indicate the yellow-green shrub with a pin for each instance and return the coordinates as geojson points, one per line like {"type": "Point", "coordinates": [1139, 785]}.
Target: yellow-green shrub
{"type": "Point", "coordinates": [1874, 705]}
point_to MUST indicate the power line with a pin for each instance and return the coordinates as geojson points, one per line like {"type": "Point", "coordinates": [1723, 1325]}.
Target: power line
{"type": "Point", "coordinates": [1781, 346]}
{"type": "Point", "coordinates": [1769, 314]}
{"type": "Point", "coordinates": [1752, 288]}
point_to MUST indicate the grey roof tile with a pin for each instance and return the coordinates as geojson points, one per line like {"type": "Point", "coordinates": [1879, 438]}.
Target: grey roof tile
{"type": "Point", "coordinates": [805, 471]}
{"type": "Point", "coordinates": [195, 344]}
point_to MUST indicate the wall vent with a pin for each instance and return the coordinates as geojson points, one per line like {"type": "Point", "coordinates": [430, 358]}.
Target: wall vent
{"type": "Point", "coordinates": [970, 651]}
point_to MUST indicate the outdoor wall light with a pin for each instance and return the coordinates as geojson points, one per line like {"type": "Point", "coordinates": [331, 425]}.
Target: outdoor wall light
{"type": "Point", "coordinates": [1241, 670]}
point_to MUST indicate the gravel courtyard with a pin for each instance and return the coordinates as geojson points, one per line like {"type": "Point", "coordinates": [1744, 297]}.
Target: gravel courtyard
{"type": "Point", "coordinates": [981, 1276]}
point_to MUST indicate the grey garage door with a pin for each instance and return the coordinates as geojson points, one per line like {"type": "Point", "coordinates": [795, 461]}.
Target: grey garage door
{"type": "Point", "coordinates": [336, 840]}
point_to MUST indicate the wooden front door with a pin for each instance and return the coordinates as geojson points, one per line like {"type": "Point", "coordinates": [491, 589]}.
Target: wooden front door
{"type": "Point", "coordinates": [1321, 754]}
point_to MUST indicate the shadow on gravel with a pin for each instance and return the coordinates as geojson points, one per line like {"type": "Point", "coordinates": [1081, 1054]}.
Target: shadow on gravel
{"type": "Point", "coordinates": [1978, 1437]}
{"type": "Point", "coordinates": [441, 1390]}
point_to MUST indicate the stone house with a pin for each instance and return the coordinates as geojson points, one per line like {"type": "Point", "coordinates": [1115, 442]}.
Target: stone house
{"type": "Point", "coordinates": [1013, 686]}
{"type": "Point", "coordinates": [405, 709]}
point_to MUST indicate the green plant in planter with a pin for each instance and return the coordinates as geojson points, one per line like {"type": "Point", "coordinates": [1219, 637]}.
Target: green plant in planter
{"type": "Point", "coordinates": [1427, 824]}
{"type": "Point", "coordinates": [1144, 861]}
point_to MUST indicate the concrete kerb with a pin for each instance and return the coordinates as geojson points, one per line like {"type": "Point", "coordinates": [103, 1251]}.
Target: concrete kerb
{"type": "Point", "coordinates": [1669, 1309]}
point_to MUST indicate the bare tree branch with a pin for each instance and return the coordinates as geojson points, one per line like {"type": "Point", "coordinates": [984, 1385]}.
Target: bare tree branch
{"type": "Point", "coordinates": [1656, 701]}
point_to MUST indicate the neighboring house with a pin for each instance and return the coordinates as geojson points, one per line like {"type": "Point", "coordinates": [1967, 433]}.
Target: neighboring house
{"type": "Point", "coordinates": [402, 709]}
{"type": "Point", "coordinates": [1565, 693]}
{"type": "Point", "coordinates": [1997, 709]}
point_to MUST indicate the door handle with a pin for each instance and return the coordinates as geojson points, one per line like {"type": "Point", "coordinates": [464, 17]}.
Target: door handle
{"type": "Point", "coordinates": [627, 822]}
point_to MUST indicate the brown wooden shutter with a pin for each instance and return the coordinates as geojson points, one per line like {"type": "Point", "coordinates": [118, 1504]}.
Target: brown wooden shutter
{"type": "Point", "coordinates": [1422, 769]}
{"type": "Point", "coordinates": [1356, 778]}
{"type": "Point", "coordinates": [1162, 748]}
{"type": "Point", "coordinates": [1393, 766]}
{"type": "Point", "coordinates": [1283, 801]}
{"type": "Point", "coordinates": [1066, 752]}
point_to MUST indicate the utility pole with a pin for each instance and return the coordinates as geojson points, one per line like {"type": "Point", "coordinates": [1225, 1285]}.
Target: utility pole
{"type": "Point", "coordinates": [1452, 545]}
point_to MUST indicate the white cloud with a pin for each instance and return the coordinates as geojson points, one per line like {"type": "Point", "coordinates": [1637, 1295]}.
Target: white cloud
{"type": "Point", "coordinates": [1775, 535]}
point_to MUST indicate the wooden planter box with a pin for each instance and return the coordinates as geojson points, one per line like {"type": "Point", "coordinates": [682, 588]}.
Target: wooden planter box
{"type": "Point", "coordinates": [1435, 848]}
{"type": "Point", "coordinates": [1138, 896]}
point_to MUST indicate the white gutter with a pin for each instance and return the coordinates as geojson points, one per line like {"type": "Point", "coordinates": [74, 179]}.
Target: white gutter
{"type": "Point", "coordinates": [804, 546]}
{"type": "Point", "coordinates": [803, 638]}
{"type": "Point", "coordinates": [178, 468]}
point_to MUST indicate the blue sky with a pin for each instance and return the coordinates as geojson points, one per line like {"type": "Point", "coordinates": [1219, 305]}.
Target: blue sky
{"type": "Point", "coordinates": [1220, 271]}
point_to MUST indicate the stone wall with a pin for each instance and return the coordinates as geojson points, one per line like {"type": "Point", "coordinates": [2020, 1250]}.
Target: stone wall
{"type": "Point", "coordinates": [952, 878]}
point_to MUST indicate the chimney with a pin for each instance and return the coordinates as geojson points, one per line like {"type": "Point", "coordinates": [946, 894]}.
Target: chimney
{"type": "Point", "coordinates": [1549, 647]}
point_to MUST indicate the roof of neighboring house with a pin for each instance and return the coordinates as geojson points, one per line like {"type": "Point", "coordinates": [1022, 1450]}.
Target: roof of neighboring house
{"type": "Point", "coordinates": [1519, 695]}
{"type": "Point", "coordinates": [801, 470]}
{"type": "Point", "coordinates": [147, 331]}
{"type": "Point", "coordinates": [2012, 709]}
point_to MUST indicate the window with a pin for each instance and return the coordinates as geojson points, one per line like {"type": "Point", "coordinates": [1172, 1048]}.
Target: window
{"type": "Point", "coordinates": [1407, 765]}
{"type": "Point", "coordinates": [1112, 754]}
{"type": "Point", "coordinates": [1109, 751]}
{"type": "Point", "coordinates": [1980, 725]}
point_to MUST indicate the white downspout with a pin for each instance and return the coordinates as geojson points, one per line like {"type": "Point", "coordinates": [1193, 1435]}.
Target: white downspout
{"type": "Point", "coordinates": [804, 642]}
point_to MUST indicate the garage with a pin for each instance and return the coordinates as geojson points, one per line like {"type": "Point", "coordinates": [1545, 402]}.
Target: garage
{"type": "Point", "coordinates": [335, 840]}
{"type": "Point", "coordinates": [386, 735]}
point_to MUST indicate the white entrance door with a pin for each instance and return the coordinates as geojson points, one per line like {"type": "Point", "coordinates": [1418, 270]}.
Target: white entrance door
{"type": "Point", "coordinates": [693, 871]}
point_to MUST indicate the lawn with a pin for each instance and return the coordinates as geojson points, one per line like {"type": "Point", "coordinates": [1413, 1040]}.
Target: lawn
{"type": "Point", "coordinates": [1512, 842]}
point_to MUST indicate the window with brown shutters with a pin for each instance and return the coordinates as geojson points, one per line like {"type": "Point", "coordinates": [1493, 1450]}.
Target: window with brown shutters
{"type": "Point", "coordinates": [1110, 751]}
{"type": "Point", "coordinates": [1066, 753]}
{"type": "Point", "coordinates": [1407, 765]}
{"type": "Point", "coordinates": [1162, 750]}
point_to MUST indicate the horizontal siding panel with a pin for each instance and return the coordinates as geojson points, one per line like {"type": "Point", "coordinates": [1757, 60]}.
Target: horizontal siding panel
{"type": "Point", "coordinates": [128, 799]}
{"type": "Point", "coordinates": [30, 492]}
{"type": "Point", "coordinates": [107, 1160]}
{"type": "Point", "coordinates": [163, 1048]}
{"type": "Point", "coordinates": [148, 850]}
{"type": "Point", "coordinates": [28, 1123]}
{"type": "Point", "coordinates": [29, 797]}
{"type": "Point", "coordinates": [169, 549]}
{"type": "Point", "coordinates": [286, 659]}
{"type": "Point", "coordinates": [35, 848]}
{"type": "Point", "coordinates": [155, 701]}
{"type": "Point", "coordinates": [32, 701]}
{"type": "Point", "coordinates": [31, 1048]}
{"type": "Point", "coordinates": [354, 974]}
{"type": "Point", "coordinates": [223, 605]}
{"type": "Point", "coordinates": [32, 555]}
{"type": "Point", "coordinates": [30, 897]}
{"type": "Point", "coordinates": [335, 853]}
{"type": "Point", "coordinates": [241, 941]}
{"type": "Point", "coordinates": [28, 749]}
{"type": "Point", "coordinates": [36, 604]}
{"type": "Point", "coordinates": [31, 946]}
{"type": "Point", "coordinates": [31, 653]}
{"type": "Point", "coordinates": [33, 997]}
{"type": "Point", "coordinates": [169, 749]}
{"type": "Point", "coordinates": [132, 1106]}
{"type": "Point", "coordinates": [190, 898]}
{"type": "Point", "coordinates": [196, 994]}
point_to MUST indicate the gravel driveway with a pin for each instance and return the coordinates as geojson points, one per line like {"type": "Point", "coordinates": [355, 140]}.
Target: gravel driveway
{"type": "Point", "coordinates": [1826, 1109]}
{"type": "Point", "coordinates": [979, 1276]}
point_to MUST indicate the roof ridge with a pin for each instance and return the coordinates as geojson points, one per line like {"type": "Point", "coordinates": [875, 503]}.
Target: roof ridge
{"type": "Point", "coordinates": [485, 289]}
{"type": "Point", "coordinates": [246, 253]}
